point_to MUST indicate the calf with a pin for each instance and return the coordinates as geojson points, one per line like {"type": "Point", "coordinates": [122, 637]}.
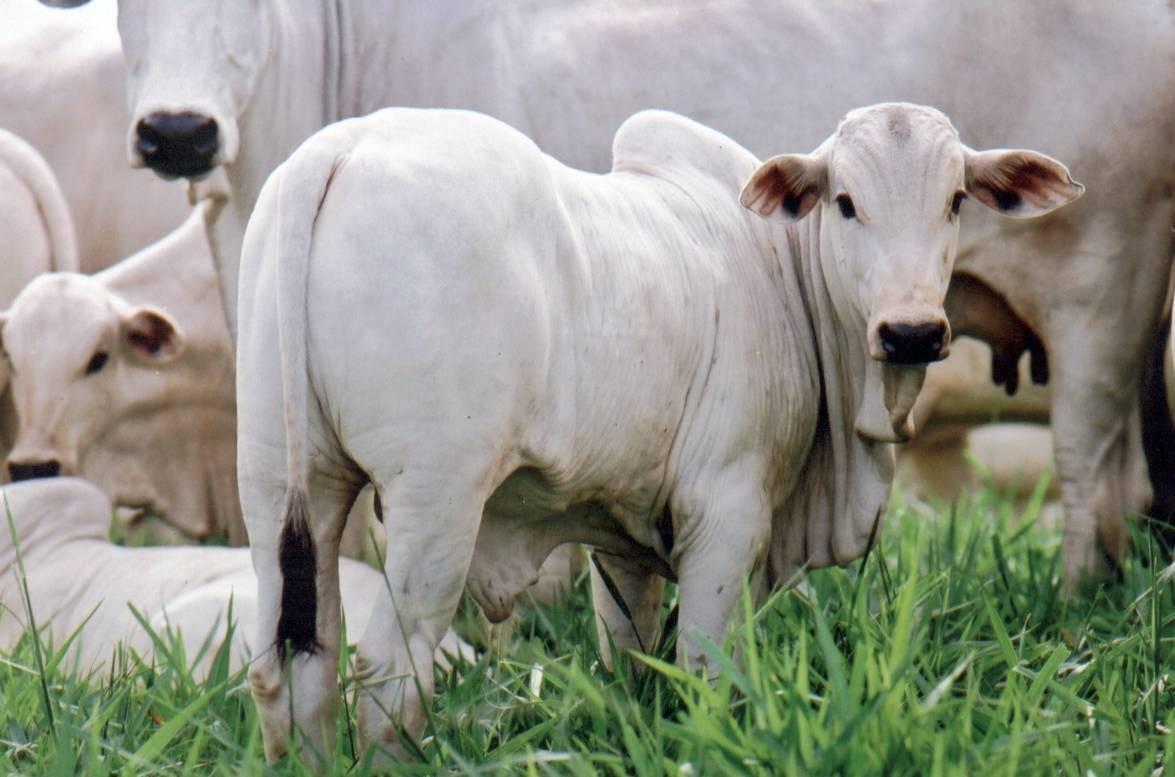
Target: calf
{"type": "Point", "coordinates": [78, 580]}
{"type": "Point", "coordinates": [518, 355]}
{"type": "Point", "coordinates": [126, 378]}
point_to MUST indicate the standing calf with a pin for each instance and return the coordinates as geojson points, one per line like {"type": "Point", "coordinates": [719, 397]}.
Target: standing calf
{"type": "Point", "coordinates": [519, 355]}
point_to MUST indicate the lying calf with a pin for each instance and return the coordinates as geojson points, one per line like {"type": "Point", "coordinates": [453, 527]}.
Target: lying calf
{"type": "Point", "coordinates": [76, 577]}
{"type": "Point", "coordinates": [519, 355]}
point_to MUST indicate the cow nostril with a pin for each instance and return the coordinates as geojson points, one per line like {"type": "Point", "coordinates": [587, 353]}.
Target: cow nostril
{"type": "Point", "coordinates": [34, 470]}
{"type": "Point", "coordinates": [178, 144]}
{"type": "Point", "coordinates": [913, 343]}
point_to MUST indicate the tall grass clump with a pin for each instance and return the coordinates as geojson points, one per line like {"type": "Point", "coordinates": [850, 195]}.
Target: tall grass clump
{"type": "Point", "coordinates": [949, 650]}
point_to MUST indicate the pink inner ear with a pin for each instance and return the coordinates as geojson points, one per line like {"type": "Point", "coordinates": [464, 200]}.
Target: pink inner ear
{"type": "Point", "coordinates": [149, 334]}
{"type": "Point", "coordinates": [1019, 178]}
{"type": "Point", "coordinates": [795, 193]}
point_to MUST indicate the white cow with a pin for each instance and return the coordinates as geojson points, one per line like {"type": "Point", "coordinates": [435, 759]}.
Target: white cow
{"type": "Point", "coordinates": [241, 84]}
{"type": "Point", "coordinates": [36, 231]}
{"type": "Point", "coordinates": [127, 378]}
{"type": "Point", "coordinates": [63, 89]}
{"type": "Point", "coordinates": [518, 355]}
{"type": "Point", "coordinates": [78, 579]}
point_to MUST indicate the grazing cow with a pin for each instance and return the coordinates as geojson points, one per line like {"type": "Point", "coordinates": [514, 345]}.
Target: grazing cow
{"type": "Point", "coordinates": [127, 378]}
{"type": "Point", "coordinates": [78, 580]}
{"type": "Point", "coordinates": [523, 355]}
{"type": "Point", "coordinates": [63, 89]}
{"type": "Point", "coordinates": [241, 84]}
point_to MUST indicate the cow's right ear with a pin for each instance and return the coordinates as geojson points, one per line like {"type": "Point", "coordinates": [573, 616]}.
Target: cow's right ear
{"type": "Point", "coordinates": [790, 183]}
{"type": "Point", "coordinates": [151, 335]}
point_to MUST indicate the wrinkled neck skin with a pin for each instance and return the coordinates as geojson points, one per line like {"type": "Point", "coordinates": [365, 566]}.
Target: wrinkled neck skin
{"type": "Point", "coordinates": [835, 510]}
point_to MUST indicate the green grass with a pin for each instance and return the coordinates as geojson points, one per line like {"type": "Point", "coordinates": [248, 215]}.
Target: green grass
{"type": "Point", "coordinates": [949, 651]}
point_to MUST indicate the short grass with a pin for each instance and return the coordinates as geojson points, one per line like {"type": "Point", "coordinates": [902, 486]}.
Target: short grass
{"type": "Point", "coordinates": [948, 651]}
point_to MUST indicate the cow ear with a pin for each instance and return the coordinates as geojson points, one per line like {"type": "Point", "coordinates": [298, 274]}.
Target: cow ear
{"type": "Point", "coordinates": [792, 183]}
{"type": "Point", "coordinates": [1020, 184]}
{"type": "Point", "coordinates": [151, 335]}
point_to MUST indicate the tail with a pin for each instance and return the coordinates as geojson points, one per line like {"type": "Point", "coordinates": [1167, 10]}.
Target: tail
{"type": "Point", "coordinates": [301, 190]}
{"type": "Point", "coordinates": [31, 167]}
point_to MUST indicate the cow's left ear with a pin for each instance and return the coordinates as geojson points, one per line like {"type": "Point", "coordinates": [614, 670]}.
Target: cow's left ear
{"type": "Point", "coordinates": [1020, 184]}
{"type": "Point", "coordinates": [151, 335]}
{"type": "Point", "coordinates": [790, 183]}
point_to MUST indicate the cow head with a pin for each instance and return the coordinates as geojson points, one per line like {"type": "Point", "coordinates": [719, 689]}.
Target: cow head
{"type": "Point", "coordinates": [76, 354]}
{"type": "Point", "coordinates": [889, 185]}
{"type": "Point", "coordinates": [192, 68]}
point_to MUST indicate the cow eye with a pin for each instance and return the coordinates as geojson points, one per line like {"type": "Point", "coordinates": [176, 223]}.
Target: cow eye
{"type": "Point", "coordinates": [845, 203]}
{"type": "Point", "coordinates": [957, 201]}
{"type": "Point", "coordinates": [97, 362]}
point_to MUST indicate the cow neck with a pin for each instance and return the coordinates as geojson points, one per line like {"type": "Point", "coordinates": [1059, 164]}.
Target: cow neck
{"type": "Point", "coordinates": [836, 505]}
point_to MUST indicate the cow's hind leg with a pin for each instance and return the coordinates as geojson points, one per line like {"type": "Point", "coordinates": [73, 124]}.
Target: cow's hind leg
{"type": "Point", "coordinates": [432, 517]}
{"type": "Point", "coordinates": [294, 677]}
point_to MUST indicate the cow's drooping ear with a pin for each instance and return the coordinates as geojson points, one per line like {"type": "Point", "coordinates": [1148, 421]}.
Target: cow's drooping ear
{"type": "Point", "coordinates": [1020, 184]}
{"type": "Point", "coordinates": [151, 335]}
{"type": "Point", "coordinates": [789, 183]}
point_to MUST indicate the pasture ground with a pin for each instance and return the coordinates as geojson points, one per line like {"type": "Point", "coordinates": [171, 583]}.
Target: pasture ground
{"type": "Point", "coordinates": [948, 651]}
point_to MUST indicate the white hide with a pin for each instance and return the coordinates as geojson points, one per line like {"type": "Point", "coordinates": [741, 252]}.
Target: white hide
{"type": "Point", "coordinates": [518, 355]}
{"type": "Point", "coordinates": [36, 230]}
{"type": "Point", "coordinates": [154, 430]}
{"type": "Point", "coordinates": [1090, 82]}
{"type": "Point", "coordinates": [63, 89]}
{"type": "Point", "coordinates": [36, 236]}
{"type": "Point", "coordinates": [76, 576]}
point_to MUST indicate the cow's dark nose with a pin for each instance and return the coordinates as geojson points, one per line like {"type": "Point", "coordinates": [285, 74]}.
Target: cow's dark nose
{"type": "Point", "coordinates": [914, 343]}
{"type": "Point", "coordinates": [33, 470]}
{"type": "Point", "coordinates": [178, 145]}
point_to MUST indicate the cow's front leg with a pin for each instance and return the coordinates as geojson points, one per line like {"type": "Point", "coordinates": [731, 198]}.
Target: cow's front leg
{"type": "Point", "coordinates": [296, 698]}
{"type": "Point", "coordinates": [641, 592]}
{"type": "Point", "coordinates": [726, 529]}
{"type": "Point", "coordinates": [432, 522]}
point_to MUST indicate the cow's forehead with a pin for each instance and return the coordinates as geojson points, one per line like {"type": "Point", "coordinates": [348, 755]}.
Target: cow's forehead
{"type": "Point", "coordinates": [896, 139]}
{"type": "Point", "coordinates": [76, 307]}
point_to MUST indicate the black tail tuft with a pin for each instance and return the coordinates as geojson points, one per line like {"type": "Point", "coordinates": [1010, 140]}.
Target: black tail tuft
{"type": "Point", "coordinates": [299, 605]}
